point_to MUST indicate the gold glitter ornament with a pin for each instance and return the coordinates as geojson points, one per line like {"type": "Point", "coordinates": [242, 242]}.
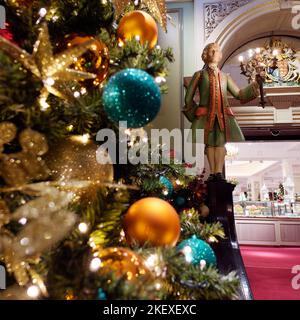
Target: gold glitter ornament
{"type": "Point", "coordinates": [158, 10]}
{"type": "Point", "coordinates": [33, 142]}
{"type": "Point", "coordinates": [52, 70]}
{"type": "Point", "coordinates": [123, 262]}
{"type": "Point", "coordinates": [41, 217]}
{"type": "Point", "coordinates": [76, 159]}
{"type": "Point", "coordinates": [120, 6]}
{"type": "Point", "coordinates": [4, 213]}
{"type": "Point", "coordinates": [8, 132]}
{"type": "Point", "coordinates": [27, 165]}
{"type": "Point", "coordinates": [95, 60]}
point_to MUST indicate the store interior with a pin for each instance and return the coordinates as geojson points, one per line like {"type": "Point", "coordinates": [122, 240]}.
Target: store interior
{"type": "Point", "coordinates": [267, 177]}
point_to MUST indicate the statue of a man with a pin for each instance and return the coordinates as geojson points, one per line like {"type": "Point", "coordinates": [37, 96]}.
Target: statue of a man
{"type": "Point", "coordinates": [213, 114]}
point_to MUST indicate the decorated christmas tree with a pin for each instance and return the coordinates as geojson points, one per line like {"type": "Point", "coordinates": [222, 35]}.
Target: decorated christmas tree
{"type": "Point", "coordinates": [76, 221]}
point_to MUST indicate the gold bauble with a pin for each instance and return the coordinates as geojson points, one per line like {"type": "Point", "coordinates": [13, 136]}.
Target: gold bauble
{"type": "Point", "coordinates": [152, 220]}
{"type": "Point", "coordinates": [123, 262]}
{"type": "Point", "coordinates": [95, 60]}
{"type": "Point", "coordinates": [204, 211]}
{"type": "Point", "coordinates": [140, 25]}
{"type": "Point", "coordinates": [75, 159]}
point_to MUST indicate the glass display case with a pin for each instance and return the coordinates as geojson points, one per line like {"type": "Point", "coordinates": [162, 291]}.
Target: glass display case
{"type": "Point", "coordinates": [266, 209]}
{"type": "Point", "coordinates": [267, 223]}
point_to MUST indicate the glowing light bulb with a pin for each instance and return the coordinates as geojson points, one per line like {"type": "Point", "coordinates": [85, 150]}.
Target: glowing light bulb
{"type": "Point", "coordinates": [187, 250]}
{"type": "Point", "coordinates": [160, 80]}
{"type": "Point", "coordinates": [257, 50]}
{"type": "Point", "coordinates": [76, 94]}
{"type": "Point", "coordinates": [23, 221]}
{"type": "Point", "coordinates": [83, 90]}
{"type": "Point", "coordinates": [33, 291]}
{"type": "Point", "coordinates": [151, 261]}
{"type": "Point", "coordinates": [70, 127]}
{"type": "Point", "coordinates": [241, 58]}
{"type": "Point", "coordinates": [83, 227]}
{"type": "Point", "coordinates": [95, 264]}
{"type": "Point", "coordinates": [202, 264]}
{"type": "Point", "coordinates": [44, 104]}
{"type": "Point", "coordinates": [24, 241]}
{"type": "Point", "coordinates": [49, 81]}
{"type": "Point", "coordinates": [42, 12]}
{"type": "Point", "coordinates": [84, 139]}
{"type": "Point", "coordinates": [157, 286]}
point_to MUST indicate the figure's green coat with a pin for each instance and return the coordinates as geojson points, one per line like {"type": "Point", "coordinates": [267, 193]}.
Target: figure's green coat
{"type": "Point", "coordinates": [214, 135]}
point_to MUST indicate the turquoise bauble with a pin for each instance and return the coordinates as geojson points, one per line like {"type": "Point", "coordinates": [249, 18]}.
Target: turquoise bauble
{"type": "Point", "coordinates": [101, 295]}
{"type": "Point", "coordinates": [196, 250]}
{"type": "Point", "coordinates": [132, 95]}
{"type": "Point", "coordinates": [167, 184]}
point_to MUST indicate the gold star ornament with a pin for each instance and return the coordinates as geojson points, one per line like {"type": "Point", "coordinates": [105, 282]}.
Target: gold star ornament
{"type": "Point", "coordinates": [51, 69]}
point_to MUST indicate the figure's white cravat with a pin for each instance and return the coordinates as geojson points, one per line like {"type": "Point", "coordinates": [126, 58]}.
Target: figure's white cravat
{"type": "Point", "coordinates": [214, 67]}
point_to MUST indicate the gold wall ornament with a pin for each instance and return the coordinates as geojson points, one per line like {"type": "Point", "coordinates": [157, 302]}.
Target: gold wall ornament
{"type": "Point", "coordinates": [51, 69]}
{"type": "Point", "coordinates": [27, 165]}
{"type": "Point", "coordinates": [75, 158]}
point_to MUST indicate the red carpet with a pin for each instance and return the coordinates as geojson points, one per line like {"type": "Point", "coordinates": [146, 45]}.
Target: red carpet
{"type": "Point", "coordinates": [269, 271]}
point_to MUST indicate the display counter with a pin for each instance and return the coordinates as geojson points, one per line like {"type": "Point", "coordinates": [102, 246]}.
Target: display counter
{"type": "Point", "coordinates": [267, 223]}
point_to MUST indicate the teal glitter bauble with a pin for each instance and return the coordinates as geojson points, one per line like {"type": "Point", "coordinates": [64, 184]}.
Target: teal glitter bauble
{"type": "Point", "coordinates": [132, 95]}
{"type": "Point", "coordinates": [167, 184]}
{"type": "Point", "coordinates": [101, 295]}
{"type": "Point", "coordinates": [196, 250]}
